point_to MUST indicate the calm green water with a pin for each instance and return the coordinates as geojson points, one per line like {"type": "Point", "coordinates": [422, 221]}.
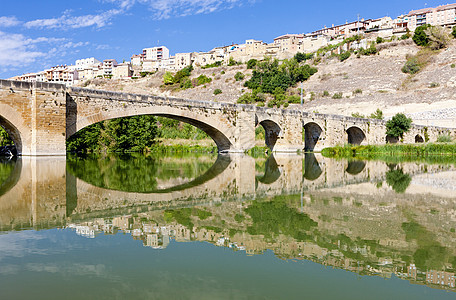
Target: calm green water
{"type": "Point", "coordinates": [226, 227]}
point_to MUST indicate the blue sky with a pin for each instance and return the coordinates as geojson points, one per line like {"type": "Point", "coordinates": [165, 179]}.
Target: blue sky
{"type": "Point", "coordinates": [38, 34]}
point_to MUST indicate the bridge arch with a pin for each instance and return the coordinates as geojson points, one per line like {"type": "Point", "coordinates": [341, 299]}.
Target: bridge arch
{"type": "Point", "coordinates": [355, 135]}
{"type": "Point", "coordinates": [418, 139]}
{"type": "Point", "coordinates": [272, 132]}
{"type": "Point", "coordinates": [312, 133]}
{"type": "Point", "coordinates": [219, 130]}
{"type": "Point", "coordinates": [11, 121]}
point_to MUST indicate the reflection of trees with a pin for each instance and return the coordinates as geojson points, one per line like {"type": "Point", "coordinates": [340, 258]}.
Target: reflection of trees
{"type": "Point", "coordinates": [398, 180]}
{"type": "Point", "coordinates": [133, 173]}
{"type": "Point", "coordinates": [7, 178]}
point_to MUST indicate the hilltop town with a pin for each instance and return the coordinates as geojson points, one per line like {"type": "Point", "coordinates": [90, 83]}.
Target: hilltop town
{"type": "Point", "coordinates": [364, 82]}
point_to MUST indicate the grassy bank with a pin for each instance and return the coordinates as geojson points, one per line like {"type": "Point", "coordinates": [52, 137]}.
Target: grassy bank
{"type": "Point", "coordinates": [431, 152]}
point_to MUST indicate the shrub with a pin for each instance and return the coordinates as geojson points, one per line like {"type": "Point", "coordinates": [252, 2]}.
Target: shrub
{"type": "Point", "coordinates": [438, 37]}
{"type": "Point", "coordinates": [434, 85]}
{"type": "Point", "coordinates": [222, 72]}
{"type": "Point", "coordinates": [202, 79]}
{"type": "Point", "coordinates": [168, 78]}
{"type": "Point", "coordinates": [443, 138]}
{"type": "Point", "coordinates": [378, 114]}
{"type": "Point", "coordinates": [411, 66]}
{"type": "Point", "coordinates": [453, 65]}
{"type": "Point", "coordinates": [232, 62]}
{"type": "Point", "coordinates": [357, 91]}
{"type": "Point", "coordinates": [398, 125]}
{"type": "Point", "coordinates": [217, 91]}
{"type": "Point", "coordinates": [453, 32]}
{"type": "Point", "coordinates": [344, 55]}
{"type": "Point", "coordinates": [302, 56]}
{"type": "Point", "coordinates": [420, 37]}
{"type": "Point", "coordinates": [337, 95]}
{"type": "Point", "coordinates": [251, 63]}
{"type": "Point", "coordinates": [325, 94]}
{"type": "Point", "coordinates": [239, 76]}
{"type": "Point", "coordinates": [379, 40]}
{"type": "Point", "coordinates": [358, 115]}
{"type": "Point", "coordinates": [213, 65]}
{"type": "Point", "coordinates": [405, 36]}
{"type": "Point", "coordinates": [294, 99]}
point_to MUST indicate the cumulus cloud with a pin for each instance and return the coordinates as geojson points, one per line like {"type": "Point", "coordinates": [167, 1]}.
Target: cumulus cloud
{"type": "Point", "coordinates": [17, 50]}
{"type": "Point", "coordinates": [67, 21]}
{"type": "Point", "coordinates": [9, 21]}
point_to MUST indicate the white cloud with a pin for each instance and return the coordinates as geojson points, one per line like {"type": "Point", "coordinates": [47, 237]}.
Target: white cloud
{"type": "Point", "coordinates": [9, 21]}
{"type": "Point", "coordinates": [17, 50]}
{"type": "Point", "coordinates": [66, 21]}
{"type": "Point", "coordinates": [165, 9]}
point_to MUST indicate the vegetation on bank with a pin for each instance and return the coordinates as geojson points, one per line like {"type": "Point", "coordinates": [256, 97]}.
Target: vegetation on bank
{"type": "Point", "coordinates": [430, 152]}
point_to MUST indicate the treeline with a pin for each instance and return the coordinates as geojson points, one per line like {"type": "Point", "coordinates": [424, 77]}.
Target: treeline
{"type": "Point", "coordinates": [136, 134]}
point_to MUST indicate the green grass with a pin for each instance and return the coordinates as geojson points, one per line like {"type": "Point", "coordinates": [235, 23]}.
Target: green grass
{"type": "Point", "coordinates": [431, 152]}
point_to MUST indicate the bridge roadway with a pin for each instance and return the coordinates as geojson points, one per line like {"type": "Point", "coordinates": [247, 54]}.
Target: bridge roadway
{"type": "Point", "coordinates": [41, 116]}
{"type": "Point", "coordinates": [42, 193]}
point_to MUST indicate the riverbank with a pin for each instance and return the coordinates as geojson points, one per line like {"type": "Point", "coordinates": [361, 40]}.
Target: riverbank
{"type": "Point", "coordinates": [430, 152]}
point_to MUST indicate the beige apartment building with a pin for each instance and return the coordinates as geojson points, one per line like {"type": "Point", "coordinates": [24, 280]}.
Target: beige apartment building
{"type": "Point", "coordinates": [444, 15]}
{"type": "Point", "coordinates": [122, 71]}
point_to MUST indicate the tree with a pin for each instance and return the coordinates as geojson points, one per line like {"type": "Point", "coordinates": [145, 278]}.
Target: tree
{"type": "Point", "coordinates": [5, 139]}
{"type": "Point", "coordinates": [438, 36]}
{"type": "Point", "coordinates": [251, 63]}
{"type": "Point", "coordinates": [453, 32]}
{"type": "Point", "coordinates": [168, 78]}
{"type": "Point", "coordinates": [420, 37]}
{"type": "Point", "coordinates": [398, 125]}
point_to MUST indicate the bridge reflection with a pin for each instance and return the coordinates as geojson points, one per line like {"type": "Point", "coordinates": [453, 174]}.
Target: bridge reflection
{"type": "Point", "coordinates": [44, 192]}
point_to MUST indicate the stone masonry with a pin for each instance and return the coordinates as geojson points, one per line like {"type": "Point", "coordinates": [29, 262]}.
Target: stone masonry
{"type": "Point", "coordinates": [40, 117]}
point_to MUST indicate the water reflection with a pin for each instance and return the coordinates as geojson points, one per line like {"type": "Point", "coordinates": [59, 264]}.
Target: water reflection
{"type": "Point", "coordinates": [371, 218]}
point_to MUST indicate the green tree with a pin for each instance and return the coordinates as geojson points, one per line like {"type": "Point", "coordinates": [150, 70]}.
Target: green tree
{"type": "Point", "coordinates": [398, 125]}
{"type": "Point", "coordinates": [420, 37]}
{"type": "Point", "coordinates": [5, 139]}
{"type": "Point", "coordinates": [378, 114]}
{"type": "Point", "coordinates": [453, 32]}
{"type": "Point", "coordinates": [168, 78]}
{"type": "Point", "coordinates": [251, 63]}
{"type": "Point", "coordinates": [239, 76]}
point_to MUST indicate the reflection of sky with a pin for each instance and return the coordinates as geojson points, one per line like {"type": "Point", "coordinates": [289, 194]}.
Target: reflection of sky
{"type": "Point", "coordinates": [53, 263]}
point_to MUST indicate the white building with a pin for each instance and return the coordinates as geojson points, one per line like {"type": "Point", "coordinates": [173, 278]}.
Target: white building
{"type": "Point", "coordinates": [156, 53]}
{"type": "Point", "coordinates": [86, 63]}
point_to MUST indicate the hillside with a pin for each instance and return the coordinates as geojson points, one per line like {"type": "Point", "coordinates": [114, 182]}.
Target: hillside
{"type": "Point", "coordinates": [428, 96]}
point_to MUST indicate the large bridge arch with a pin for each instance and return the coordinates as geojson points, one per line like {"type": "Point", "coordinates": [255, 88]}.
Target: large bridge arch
{"type": "Point", "coordinates": [218, 129]}
{"type": "Point", "coordinates": [12, 122]}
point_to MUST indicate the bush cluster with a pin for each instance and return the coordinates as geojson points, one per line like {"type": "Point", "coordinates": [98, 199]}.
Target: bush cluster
{"type": "Point", "coordinates": [398, 125]}
{"type": "Point", "coordinates": [213, 65]}
{"type": "Point", "coordinates": [239, 76]}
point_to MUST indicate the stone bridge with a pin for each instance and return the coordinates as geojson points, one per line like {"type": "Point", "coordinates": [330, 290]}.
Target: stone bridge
{"type": "Point", "coordinates": [39, 117]}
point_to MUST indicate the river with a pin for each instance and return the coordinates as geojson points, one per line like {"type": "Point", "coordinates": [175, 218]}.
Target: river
{"type": "Point", "coordinates": [226, 227]}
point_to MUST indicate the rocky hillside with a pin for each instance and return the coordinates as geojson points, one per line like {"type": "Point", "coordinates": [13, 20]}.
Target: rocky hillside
{"type": "Point", "coordinates": [366, 83]}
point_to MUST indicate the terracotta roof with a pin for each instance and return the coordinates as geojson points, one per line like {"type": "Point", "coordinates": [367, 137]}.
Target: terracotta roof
{"type": "Point", "coordinates": [286, 36]}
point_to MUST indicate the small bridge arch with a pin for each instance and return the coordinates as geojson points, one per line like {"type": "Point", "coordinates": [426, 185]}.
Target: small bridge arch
{"type": "Point", "coordinates": [11, 122]}
{"type": "Point", "coordinates": [312, 135]}
{"type": "Point", "coordinates": [355, 135]}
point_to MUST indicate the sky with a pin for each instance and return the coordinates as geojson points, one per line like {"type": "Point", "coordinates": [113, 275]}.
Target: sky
{"type": "Point", "coordinates": [35, 35]}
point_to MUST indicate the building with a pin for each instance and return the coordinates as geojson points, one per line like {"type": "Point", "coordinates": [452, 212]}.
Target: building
{"type": "Point", "coordinates": [136, 59]}
{"type": "Point", "coordinates": [108, 65]}
{"type": "Point", "coordinates": [155, 53]}
{"type": "Point", "coordinates": [444, 15]}
{"type": "Point", "coordinates": [122, 71]}
{"type": "Point", "coordinates": [183, 60]}
{"type": "Point", "coordinates": [84, 63]}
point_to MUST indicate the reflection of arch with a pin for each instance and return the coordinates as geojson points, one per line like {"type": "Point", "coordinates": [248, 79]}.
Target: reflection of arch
{"type": "Point", "coordinates": [271, 172]}
{"type": "Point", "coordinates": [419, 139]}
{"type": "Point", "coordinates": [355, 167]}
{"type": "Point", "coordinates": [215, 128]}
{"type": "Point", "coordinates": [217, 168]}
{"type": "Point", "coordinates": [13, 178]}
{"type": "Point", "coordinates": [312, 169]}
{"type": "Point", "coordinates": [271, 132]}
{"type": "Point", "coordinates": [355, 135]}
{"type": "Point", "coordinates": [391, 139]}
{"type": "Point", "coordinates": [312, 133]}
